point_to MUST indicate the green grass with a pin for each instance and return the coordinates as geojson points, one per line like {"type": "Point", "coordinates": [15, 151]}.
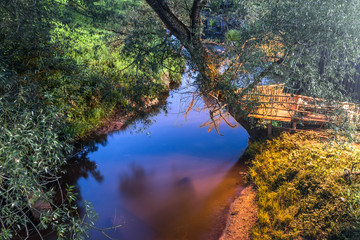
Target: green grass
{"type": "Point", "coordinates": [58, 81]}
{"type": "Point", "coordinates": [102, 81]}
{"type": "Point", "coordinates": [302, 189]}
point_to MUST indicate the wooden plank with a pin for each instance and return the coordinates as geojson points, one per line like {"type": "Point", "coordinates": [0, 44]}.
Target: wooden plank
{"type": "Point", "coordinates": [279, 106]}
{"type": "Point", "coordinates": [275, 118]}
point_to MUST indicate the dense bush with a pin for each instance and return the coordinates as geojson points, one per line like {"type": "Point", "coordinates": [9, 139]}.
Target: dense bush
{"type": "Point", "coordinates": [305, 190]}
{"type": "Point", "coordinates": [32, 151]}
{"type": "Point", "coordinates": [62, 71]}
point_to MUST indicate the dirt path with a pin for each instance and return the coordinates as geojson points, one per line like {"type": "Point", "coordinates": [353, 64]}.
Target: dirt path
{"type": "Point", "coordinates": [242, 216]}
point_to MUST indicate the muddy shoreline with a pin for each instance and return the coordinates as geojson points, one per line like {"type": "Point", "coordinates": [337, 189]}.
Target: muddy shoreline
{"type": "Point", "coordinates": [242, 216]}
{"type": "Point", "coordinates": [238, 215]}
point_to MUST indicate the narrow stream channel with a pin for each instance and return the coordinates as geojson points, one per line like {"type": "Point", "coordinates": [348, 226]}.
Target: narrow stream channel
{"type": "Point", "coordinates": [169, 180]}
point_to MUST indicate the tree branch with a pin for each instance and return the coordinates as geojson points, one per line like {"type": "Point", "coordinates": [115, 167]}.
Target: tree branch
{"type": "Point", "coordinates": [195, 17]}
{"type": "Point", "coordinates": [177, 28]}
{"type": "Point", "coordinates": [263, 74]}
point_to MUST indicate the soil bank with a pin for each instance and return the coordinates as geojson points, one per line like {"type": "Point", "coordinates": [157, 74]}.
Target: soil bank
{"type": "Point", "coordinates": [242, 216]}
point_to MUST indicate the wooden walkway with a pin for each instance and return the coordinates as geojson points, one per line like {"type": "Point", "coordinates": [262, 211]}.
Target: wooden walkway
{"type": "Point", "coordinates": [274, 104]}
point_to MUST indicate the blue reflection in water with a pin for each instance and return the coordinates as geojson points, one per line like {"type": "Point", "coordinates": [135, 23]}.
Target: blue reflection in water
{"type": "Point", "coordinates": [158, 184]}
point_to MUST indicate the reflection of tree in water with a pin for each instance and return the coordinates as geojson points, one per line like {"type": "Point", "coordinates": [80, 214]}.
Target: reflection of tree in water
{"type": "Point", "coordinates": [80, 166]}
{"type": "Point", "coordinates": [165, 211]}
{"type": "Point", "coordinates": [217, 112]}
{"type": "Point", "coordinates": [161, 207]}
{"type": "Point", "coordinates": [136, 119]}
{"type": "Point", "coordinates": [179, 211]}
{"type": "Point", "coordinates": [144, 119]}
{"type": "Point", "coordinates": [91, 144]}
{"type": "Point", "coordinates": [134, 185]}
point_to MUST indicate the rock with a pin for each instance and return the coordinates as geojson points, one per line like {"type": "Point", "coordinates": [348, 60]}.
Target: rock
{"type": "Point", "coordinates": [38, 205]}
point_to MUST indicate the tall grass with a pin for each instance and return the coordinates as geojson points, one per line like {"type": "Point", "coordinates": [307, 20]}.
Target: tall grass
{"type": "Point", "coordinates": [304, 189]}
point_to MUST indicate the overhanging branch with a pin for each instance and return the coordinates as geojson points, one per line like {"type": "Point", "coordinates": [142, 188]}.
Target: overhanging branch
{"type": "Point", "coordinates": [176, 27]}
{"type": "Point", "coordinates": [259, 78]}
{"type": "Point", "coordinates": [195, 17]}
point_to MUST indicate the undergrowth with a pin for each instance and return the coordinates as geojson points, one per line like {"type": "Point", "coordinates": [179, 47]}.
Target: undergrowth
{"type": "Point", "coordinates": [62, 72]}
{"type": "Point", "coordinates": [94, 79]}
{"type": "Point", "coordinates": [307, 188]}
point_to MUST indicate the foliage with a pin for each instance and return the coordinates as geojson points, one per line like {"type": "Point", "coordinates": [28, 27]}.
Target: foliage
{"type": "Point", "coordinates": [147, 47]}
{"type": "Point", "coordinates": [69, 48]}
{"type": "Point", "coordinates": [110, 78]}
{"type": "Point", "coordinates": [62, 71]}
{"type": "Point", "coordinates": [32, 151]}
{"type": "Point", "coordinates": [320, 43]}
{"type": "Point", "coordinates": [306, 189]}
{"type": "Point", "coordinates": [233, 35]}
{"type": "Point", "coordinates": [311, 46]}
{"type": "Point", "coordinates": [24, 31]}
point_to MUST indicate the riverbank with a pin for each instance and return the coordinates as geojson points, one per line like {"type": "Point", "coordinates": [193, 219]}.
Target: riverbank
{"type": "Point", "coordinates": [307, 188]}
{"type": "Point", "coordinates": [242, 216]}
{"type": "Point", "coordinates": [193, 172]}
{"type": "Point", "coordinates": [119, 120]}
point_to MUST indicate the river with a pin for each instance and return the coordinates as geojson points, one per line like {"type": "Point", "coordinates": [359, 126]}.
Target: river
{"type": "Point", "coordinates": [163, 178]}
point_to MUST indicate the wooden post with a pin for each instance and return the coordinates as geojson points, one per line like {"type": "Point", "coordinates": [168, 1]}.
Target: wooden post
{"type": "Point", "coordinates": [293, 125]}
{"type": "Point", "coordinates": [269, 128]}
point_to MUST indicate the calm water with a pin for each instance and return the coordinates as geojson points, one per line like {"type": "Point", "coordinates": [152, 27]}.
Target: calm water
{"type": "Point", "coordinates": [167, 180]}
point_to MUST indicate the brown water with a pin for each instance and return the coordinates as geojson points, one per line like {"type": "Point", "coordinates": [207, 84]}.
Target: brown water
{"type": "Point", "coordinates": [169, 179]}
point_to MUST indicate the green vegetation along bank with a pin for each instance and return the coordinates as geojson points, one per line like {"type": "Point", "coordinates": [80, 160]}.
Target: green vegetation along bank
{"type": "Point", "coordinates": [63, 70]}
{"type": "Point", "coordinates": [308, 188]}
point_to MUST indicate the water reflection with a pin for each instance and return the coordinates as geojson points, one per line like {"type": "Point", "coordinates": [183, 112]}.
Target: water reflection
{"type": "Point", "coordinates": [217, 112]}
{"type": "Point", "coordinates": [134, 186]}
{"type": "Point", "coordinates": [82, 167]}
{"type": "Point", "coordinates": [179, 208]}
{"type": "Point", "coordinates": [159, 212]}
{"type": "Point", "coordinates": [168, 185]}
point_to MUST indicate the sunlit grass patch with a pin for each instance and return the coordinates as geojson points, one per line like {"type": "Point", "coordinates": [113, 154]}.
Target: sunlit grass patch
{"type": "Point", "coordinates": [305, 190]}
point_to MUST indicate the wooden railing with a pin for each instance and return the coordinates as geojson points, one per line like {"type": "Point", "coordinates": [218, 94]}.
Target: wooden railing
{"type": "Point", "coordinates": [271, 103]}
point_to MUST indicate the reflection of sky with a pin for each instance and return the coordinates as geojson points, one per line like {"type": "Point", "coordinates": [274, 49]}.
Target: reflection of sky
{"type": "Point", "coordinates": [176, 151]}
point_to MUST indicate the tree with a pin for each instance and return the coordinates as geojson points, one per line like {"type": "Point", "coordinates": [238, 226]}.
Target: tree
{"type": "Point", "coordinates": [34, 145]}
{"type": "Point", "coordinates": [309, 45]}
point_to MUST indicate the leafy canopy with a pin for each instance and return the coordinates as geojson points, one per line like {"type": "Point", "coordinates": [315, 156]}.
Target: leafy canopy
{"type": "Point", "coordinates": [310, 45]}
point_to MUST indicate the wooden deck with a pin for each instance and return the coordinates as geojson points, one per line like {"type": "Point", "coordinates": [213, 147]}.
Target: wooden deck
{"type": "Point", "coordinates": [274, 104]}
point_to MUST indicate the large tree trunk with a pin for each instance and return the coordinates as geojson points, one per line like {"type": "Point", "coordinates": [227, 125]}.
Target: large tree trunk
{"type": "Point", "coordinates": [206, 64]}
{"type": "Point", "coordinates": [188, 36]}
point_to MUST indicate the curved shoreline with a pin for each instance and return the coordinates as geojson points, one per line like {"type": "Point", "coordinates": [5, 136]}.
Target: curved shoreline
{"type": "Point", "coordinates": [242, 216]}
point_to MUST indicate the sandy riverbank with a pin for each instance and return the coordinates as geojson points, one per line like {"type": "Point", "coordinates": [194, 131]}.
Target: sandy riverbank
{"type": "Point", "coordinates": [242, 216]}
